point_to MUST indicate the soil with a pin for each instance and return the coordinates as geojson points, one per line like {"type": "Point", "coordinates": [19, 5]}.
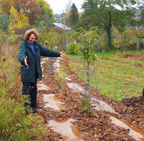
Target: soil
{"type": "Point", "coordinates": [96, 128]}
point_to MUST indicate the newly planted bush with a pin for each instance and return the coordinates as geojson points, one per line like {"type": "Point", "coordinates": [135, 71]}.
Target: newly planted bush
{"type": "Point", "coordinates": [88, 40]}
{"type": "Point", "coordinates": [86, 105]}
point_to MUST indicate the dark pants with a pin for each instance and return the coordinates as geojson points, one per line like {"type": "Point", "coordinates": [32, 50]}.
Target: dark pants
{"type": "Point", "coordinates": [30, 89]}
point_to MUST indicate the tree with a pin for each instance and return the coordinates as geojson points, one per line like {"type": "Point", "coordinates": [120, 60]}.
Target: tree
{"type": "Point", "coordinates": [51, 38]}
{"type": "Point", "coordinates": [29, 7]}
{"type": "Point", "coordinates": [140, 18]}
{"type": "Point", "coordinates": [17, 20]}
{"type": "Point", "coordinates": [46, 11]}
{"type": "Point", "coordinates": [67, 8]}
{"type": "Point", "coordinates": [68, 5]}
{"type": "Point", "coordinates": [74, 16]}
{"type": "Point", "coordinates": [88, 40]}
{"type": "Point", "coordinates": [105, 14]}
{"type": "Point", "coordinates": [68, 13]}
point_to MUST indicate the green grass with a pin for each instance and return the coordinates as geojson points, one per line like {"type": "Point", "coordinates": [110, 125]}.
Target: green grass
{"type": "Point", "coordinates": [113, 79]}
{"type": "Point", "coordinates": [112, 55]}
{"type": "Point", "coordinates": [130, 61]}
{"type": "Point", "coordinates": [113, 52]}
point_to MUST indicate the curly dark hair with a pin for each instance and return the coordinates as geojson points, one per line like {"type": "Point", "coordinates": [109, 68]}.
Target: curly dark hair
{"type": "Point", "coordinates": [31, 31]}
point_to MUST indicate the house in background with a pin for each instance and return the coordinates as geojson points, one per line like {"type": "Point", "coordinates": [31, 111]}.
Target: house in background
{"type": "Point", "coordinates": [59, 27]}
{"type": "Point", "coordinates": [63, 30]}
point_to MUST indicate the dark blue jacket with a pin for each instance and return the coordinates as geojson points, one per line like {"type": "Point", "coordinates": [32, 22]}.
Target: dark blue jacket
{"type": "Point", "coordinates": [28, 74]}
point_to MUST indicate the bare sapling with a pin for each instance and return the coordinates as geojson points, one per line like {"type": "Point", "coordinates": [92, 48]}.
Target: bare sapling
{"type": "Point", "coordinates": [60, 76]}
{"type": "Point", "coordinates": [48, 66]}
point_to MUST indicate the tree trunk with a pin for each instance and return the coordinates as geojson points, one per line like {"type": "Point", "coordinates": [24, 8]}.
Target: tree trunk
{"type": "Point", "coordinates": [89, 94]}
{"type": "Point", "coordinates": [143, 93]}
{"type": "Point", "coordinates": [98, 44]}
{"type": "Point", "coordinates": [88, 82]}
{"type": "Point", "coordinates": [109, 31]}
{"type": "Point", "coordinates": [109, 39]}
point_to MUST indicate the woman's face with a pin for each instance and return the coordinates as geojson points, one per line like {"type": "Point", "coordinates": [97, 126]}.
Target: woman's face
{"type": "Point", "coordinates": [32, 39]}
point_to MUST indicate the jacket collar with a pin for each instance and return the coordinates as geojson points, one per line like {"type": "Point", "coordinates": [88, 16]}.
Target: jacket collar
{"type": "Point", "coordinates": [35, 44]}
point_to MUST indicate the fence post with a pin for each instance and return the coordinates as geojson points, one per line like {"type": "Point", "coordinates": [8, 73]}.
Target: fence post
{"type": "Point", "coordinates": [137, 49]}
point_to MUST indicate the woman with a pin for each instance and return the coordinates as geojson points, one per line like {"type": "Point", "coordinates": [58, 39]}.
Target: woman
{"type": "Point", "coordinates": [29, 55]}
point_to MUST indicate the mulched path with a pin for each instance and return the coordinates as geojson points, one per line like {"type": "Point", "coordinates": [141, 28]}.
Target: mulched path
{"type": "Point", "coordinates": [99, 126]}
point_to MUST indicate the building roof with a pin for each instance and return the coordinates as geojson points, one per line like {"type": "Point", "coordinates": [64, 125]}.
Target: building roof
{"type": "Point", "coordinates": [60, 25]}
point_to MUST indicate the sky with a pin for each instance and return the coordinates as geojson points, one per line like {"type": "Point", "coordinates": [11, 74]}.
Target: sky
{"type": "Point", "coordinates": [59, 5]}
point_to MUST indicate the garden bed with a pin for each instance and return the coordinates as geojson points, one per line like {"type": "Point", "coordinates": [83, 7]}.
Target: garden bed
{"type": "Point", "coordinates": [99, 126]}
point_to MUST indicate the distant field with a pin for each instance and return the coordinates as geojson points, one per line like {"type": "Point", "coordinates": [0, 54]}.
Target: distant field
{"type": "Point", "coordinates": [137, 56]}
{"type": "Point", "coordinates": [114, 79]}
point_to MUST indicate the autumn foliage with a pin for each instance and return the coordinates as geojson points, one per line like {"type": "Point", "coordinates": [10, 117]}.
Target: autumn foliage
{"type": "Point", "coordinates": [18, 20]}
{"type": "Point", "coordinates": [45, 8]}
{"type": "Point", "coordinates": [29, 7]}
{"type": "Point", "coordinates": [123, 40]}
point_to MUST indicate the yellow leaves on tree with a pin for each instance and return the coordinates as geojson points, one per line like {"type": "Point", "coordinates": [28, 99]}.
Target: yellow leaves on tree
{"type": "Point", "coordinates": [117, 42]}
{"type": "Point", "coordinates": [80, 15]}
{"type": "Point", "coordinates": [29, 7]}
{"type": "Point", "coordinates": [17, 19]}
{"type": "Point", "coordinates": [68, 13]}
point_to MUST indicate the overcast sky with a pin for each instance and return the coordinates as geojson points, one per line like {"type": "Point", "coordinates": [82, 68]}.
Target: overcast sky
{"type": "Point", "coordinates": [59, 5]}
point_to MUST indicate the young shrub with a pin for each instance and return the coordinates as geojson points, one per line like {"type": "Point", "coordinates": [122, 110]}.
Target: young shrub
{"type": "Point", "coordinates": [117, 43]}
{"type": "Point", "coordinates": [49, 38]}
{"type": "Point", "coordinates": [72, 49]}
{"type": "Point", "coordinates": [15, 125]}
{"type": "Point", "coordinates": [60, 76]}
{"type": "Point", "coordinates": [88, 40]}
{"type": "Point", "coordinates": [116, 39]}
{"type": "Point", "coordinates": [86, 105]}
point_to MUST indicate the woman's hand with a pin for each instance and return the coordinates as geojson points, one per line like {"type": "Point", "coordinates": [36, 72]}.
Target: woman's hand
{"type": "Point", "coordinates": [25, 61]}
{"type": "Point", "coordinates": [62, 55]}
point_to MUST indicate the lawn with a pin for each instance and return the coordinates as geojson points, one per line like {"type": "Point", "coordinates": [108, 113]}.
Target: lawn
{"type": "Point", "coordinates": [120, 56]}
{"type": "Point", "coordinates": [114, 79]}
